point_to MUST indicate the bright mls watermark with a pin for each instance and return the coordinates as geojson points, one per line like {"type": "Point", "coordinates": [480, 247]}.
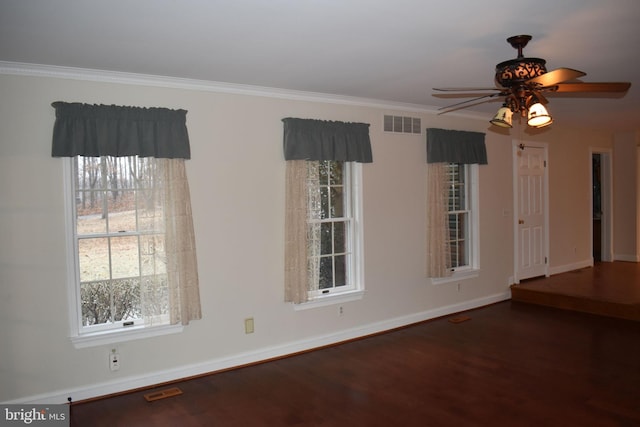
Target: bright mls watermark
{"type": "Point", "coordinates": [34, 415]}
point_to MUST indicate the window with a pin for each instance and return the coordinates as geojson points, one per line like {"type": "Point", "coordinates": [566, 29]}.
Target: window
{"type": "Point", "coordinates": [452, 203]}
{"type": "Point", "coordinates": [131, 241]}
{"type": "Point", "coordinates": [118, 243]}
{"type": "Point", "coordinates": [462, 210]}
{"type": "Point", "coordinates": [322, 241]}
{"type": "Point", "coordinates": [332, 228]}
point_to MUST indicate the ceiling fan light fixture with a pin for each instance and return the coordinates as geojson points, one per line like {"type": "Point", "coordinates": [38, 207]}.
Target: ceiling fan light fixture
{"type": "Point", "coordinates": [524, 81]}
{"type": "Point", "coordinates": [503, 117]}
{"type": "Point", "coordinates": [538, 116]}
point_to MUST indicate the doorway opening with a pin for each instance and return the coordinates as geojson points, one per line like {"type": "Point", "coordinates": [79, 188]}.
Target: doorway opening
{"type": "Point", "coordinates": [601, 205]}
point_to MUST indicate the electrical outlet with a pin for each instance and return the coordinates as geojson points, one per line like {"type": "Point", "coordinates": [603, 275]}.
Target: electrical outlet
{"type": "Point", "coordinates": [248, 325]}
{"type": "Point", "coordinates": [114, 360]}
{"type": "Point", "coordinates": [340, 311]}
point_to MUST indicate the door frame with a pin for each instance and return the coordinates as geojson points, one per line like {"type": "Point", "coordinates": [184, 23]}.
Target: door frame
{"type": "Point", "coordinates": [606, 188]}
{"type": "Point", "coordinates": [517, 145]}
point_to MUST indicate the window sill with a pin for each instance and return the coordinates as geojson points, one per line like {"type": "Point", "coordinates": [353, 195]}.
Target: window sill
{"type": "Point", "coordinates": [456, 277]}
{"type": "Point", "coordinates": [322, 301]}
{"type": "Point", "coordinates": [115, 336]}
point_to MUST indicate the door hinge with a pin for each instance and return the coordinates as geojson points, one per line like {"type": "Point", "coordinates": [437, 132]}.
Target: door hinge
{"type": "Point", "coordinates": [545, 260]}
{"type": "Point", "coordinates": [545, 163]}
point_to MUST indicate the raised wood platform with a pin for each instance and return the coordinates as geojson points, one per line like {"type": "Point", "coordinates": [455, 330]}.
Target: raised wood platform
{"type": "Point", "coordinates": [607, 289]}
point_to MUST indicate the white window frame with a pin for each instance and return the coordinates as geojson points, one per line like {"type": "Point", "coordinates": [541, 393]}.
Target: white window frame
{"type": "Point", "coordinates": [352, 174]}
{"type": "Point", "coordinates": [98, 336]}
{"type": "Point", "coordinates": [472, 269]}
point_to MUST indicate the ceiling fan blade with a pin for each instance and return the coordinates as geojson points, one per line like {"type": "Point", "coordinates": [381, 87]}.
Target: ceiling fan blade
{"type": "Point", "coordinates": [462, 89]}
{"type": "Point", "coordinates": [462, 107]}
{"type": "Point", "coordinates": [451, 95]}
{"type": "Point", "coordinates": [457, 104]}
{"type": "Point", "coordinates": [554, 77]}
{"type": "Point", "coordinates": [593, 87]}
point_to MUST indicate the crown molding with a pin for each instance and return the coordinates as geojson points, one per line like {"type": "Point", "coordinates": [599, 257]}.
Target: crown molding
{"type": "Point", "coordinates": [103, 76]}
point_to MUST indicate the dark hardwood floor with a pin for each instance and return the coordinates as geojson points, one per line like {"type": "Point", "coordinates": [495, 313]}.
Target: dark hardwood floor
{"type": "Point", "coordinates": [511, 364]}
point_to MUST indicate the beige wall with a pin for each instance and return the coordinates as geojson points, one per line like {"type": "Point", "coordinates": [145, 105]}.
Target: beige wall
{"type": "Point", "coordinates": [626, 234]}
{"type": "Point", "coordinates": [236, 177]}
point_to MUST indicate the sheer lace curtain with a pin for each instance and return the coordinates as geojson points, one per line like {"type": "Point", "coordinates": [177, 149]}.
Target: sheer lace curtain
{"type": "Point", "coordinates": [302, 234]}
{"type": "Point", "coordinates": [295, 250]}
{"type": "Point", "coordinates": [182, 268]}
{"type": "Point", "coordinates": [168, 254]}
{"type": "Point", "coordinates": [438, 251]}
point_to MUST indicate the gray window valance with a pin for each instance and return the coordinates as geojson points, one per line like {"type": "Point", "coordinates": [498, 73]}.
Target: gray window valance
{"type": "Point", "coordinates": [111, 130]}
{"type": "Point", "coordinates": [454, 146]}
{"type": "Point", "coordinates": [308, 139]}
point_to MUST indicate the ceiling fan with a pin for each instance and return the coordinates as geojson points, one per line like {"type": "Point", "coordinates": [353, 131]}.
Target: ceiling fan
{"type": "Point", "coordinates": [523, 82]}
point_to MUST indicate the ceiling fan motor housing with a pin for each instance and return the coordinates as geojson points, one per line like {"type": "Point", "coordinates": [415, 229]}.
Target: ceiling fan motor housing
{"type": "Point", "coordinates": [516, 71]}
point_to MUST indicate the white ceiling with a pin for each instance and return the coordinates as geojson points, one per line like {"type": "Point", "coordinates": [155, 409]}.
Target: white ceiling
{"type": "Point", "coordinates": [394, 50]}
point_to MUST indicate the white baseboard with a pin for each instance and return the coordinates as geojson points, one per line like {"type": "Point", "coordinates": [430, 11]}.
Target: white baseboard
{"type": "Point", "coordinates": [570, 267]}
{"type": "Point", "coordinates": [626, 257]}
{"type": "Point", "coordinates": [263, 354]}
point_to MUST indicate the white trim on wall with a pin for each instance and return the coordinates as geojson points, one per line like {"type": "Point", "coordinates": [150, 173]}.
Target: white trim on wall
{"type": "Point", "coordinates": [71, 73]}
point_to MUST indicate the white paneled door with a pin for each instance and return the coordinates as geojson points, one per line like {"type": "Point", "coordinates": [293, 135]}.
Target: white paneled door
{"type": "Point", "coordinates": [531, 214]}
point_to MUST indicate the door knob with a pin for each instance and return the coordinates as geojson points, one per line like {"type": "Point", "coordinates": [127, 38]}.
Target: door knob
{"type": "Point", "coordinates": [521, 221]}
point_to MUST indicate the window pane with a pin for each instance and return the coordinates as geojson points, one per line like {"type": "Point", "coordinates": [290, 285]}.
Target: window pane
{"type": "Point", "coordinates": [339, 237]}
{"type": "Point", "coordinates": [460, 173]}
{"type": "Point", "coordinates": [88, 173]}
{"type": "Point", "coordinates": [453, 227]}
{"type": "Point", "coordinates": [93, 257]}
{"type": "Point", "coordinates": [337, 205]}
{"type": "Point", "coordinates": [341, 270]}
{"type": "Point", "coordinates": [126, 299]}
{"type": "Point", "coordinates": [463, 224]}
{"type": "Point", "coordinates": [144, 171]}
{"type": "Point", "coordinates": [326, 237]}
{"type": "Point", "coordinates": [456, 195]}
{"type": "Point", "coordinates": [324, 203]}
{"type": "Point", "coordinates": [335, 173]}
{"type": "Point", "coordinates": [89, 213]}
{"type": "Point", "coordinates": [124, 257]}
{"type": "Point", "coordinates": [326, 273]}
{"type": "Point", "coordinates": [323, 172]}
{"type": "Point", "coordinates": [461, 250]}
{"type": "Point", "coordinates": [122, 211]}
{"type": "Point", "coordinates": [458, 242]}
{"type": "Point", "coordinates": [455, 198]}
{"type": "Point", "coordinates": [96, 303]}
{"type": "Point", "coordinates": [462, 195]}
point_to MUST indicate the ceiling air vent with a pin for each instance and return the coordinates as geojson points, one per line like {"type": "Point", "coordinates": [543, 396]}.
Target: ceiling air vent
{"type": "Point", "coordinates": [400, 124]}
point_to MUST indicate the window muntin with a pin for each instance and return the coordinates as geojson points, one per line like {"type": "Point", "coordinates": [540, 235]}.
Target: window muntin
{"type": "Point", "coordinates": [118, 241]}
{"type": "Point", "coordinates": [459, 215]}
{"type": "Point", "coordinates": [331, 228]}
